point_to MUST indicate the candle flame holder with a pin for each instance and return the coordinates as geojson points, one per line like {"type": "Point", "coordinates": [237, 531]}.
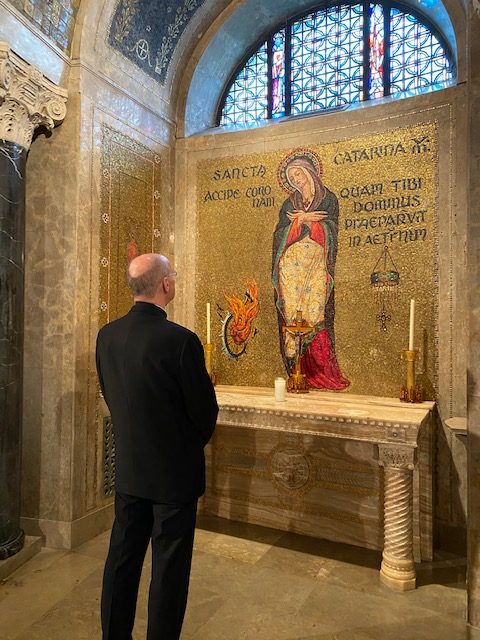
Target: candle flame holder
{"type": "Point", "coordinates": [208, 350]}
{"type": "Point", "coordinates": [411, 392]}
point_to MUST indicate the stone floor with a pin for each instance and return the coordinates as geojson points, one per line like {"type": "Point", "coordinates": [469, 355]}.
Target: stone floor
{"type": "Point", "coordinates": [247, 582]}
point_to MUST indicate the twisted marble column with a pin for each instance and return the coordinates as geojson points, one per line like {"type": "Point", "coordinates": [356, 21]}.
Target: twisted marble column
{"type": "Point", "coordinates": [398, 568]}
{"type": "Point", "coordinates": [27, 100]}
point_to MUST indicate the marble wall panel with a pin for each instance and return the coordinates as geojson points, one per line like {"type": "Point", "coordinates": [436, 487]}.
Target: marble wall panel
{"type": "Point", "coordinates": [62, 459]}
{"type": "Point", "coordinates": [84, 309]}
{"type": "Point", "coordinates": [459, 450]}
{"type": "Point", "coordinates": [49, 353]}
{"type": "Point", "coordinates": [473, 577]}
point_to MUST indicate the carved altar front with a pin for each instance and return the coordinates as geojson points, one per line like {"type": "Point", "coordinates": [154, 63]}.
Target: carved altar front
{"type": "Point", "coordinates": [353, 469]}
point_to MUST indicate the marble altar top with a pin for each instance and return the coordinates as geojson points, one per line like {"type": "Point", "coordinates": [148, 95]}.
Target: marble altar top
{"type": "Point", "coordinates": [339, 414]}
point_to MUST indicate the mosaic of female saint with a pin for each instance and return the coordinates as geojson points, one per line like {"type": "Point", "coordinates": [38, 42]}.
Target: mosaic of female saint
{"type": "Point", "coordinates": [303, 268]}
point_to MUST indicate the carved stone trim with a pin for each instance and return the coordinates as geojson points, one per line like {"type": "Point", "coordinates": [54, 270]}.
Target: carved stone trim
{"type": "Point", "coordinates": [397, 427]}
{"type": "Point", "coordinates": [476, 6]}
{"type": "Point", "coordinates": [27, 99]}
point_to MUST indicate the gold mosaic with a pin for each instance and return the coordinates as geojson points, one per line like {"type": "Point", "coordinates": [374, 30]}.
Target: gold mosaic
{"type": "Point", "coordinates": [386, 253]}
{"type": "Point", "coordinates": [129, 216]}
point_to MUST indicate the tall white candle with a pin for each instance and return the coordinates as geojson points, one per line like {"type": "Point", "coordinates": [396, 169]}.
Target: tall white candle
{"type": "Point", "coordinates": [412, 323]}
{"type": "Point", "coordinates": [208, 323]}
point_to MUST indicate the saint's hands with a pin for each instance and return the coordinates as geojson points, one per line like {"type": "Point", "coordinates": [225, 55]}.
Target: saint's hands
{"type": "Point", "coordinates": [307, 216]}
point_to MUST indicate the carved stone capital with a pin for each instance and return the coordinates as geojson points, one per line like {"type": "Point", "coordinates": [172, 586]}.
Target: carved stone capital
{"type": "Point", "coordinates": [27, 99]}
{"type": "Point", "coordinates": [476, 6]}
{"type": "Point", "coordinates": [396, 456]}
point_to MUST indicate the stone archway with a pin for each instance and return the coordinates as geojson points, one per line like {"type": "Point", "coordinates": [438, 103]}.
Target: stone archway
{"type": "Point", "coordinates": [239, 28]}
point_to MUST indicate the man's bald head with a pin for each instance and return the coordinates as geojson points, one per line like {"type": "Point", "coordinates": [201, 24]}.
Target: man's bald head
{"type": "Point", "coordinates": [146, 272]}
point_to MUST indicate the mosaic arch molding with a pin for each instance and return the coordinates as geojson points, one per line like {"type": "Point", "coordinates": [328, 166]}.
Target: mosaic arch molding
{"type": "Point", "coordinates": [246, 26]}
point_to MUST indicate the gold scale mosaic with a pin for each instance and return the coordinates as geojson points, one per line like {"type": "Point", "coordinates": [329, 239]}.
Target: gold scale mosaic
{"type": "Point", "coordinates": [129, 216]}
{"type": "Point", "coordinates": [386, 185]}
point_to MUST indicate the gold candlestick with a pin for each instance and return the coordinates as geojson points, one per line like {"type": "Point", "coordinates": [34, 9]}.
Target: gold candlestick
{"type": "Point", "coordinates": [208, 350]}
{"type": "Point", "coordinates": [297, 381]}
{"type": "Point", "coordinates": [411, 392]}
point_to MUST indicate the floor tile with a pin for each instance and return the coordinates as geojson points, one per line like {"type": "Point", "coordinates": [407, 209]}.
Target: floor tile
{"type": "Point", "coordinates": [247, 583]}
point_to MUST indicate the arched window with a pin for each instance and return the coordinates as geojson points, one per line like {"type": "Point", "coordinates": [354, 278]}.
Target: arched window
{"type": "Point", "coordinates": [336, 56]}
{"type": "Point", "coordinates": [56, 18]}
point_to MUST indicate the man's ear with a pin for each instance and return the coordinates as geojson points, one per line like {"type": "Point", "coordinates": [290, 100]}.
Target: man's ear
{"type": "Point", "coordinates": [165, 285]}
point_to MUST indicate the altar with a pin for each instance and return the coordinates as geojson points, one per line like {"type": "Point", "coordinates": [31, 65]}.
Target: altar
{"type": "Point", "coordinates": [348, 468]}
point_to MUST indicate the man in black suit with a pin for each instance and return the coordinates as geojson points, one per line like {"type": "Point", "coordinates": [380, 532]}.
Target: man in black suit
{"type": "Point", "coordinates": [163, 407]}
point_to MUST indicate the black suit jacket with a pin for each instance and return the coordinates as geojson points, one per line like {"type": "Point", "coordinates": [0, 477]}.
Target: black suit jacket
{"type": "Point", "coordinates": [162, 402]}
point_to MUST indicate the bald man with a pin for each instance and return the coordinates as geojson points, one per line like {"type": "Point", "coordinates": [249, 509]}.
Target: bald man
{"type": "Point", "coordinates": [163, 407]}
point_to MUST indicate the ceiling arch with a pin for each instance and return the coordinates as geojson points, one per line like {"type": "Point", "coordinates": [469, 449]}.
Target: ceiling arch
{"type": "Point", "coordinates": [246, 25]}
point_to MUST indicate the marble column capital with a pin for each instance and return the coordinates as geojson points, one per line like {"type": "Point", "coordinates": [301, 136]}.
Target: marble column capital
{"type": "Point", "coordinates": [396, 456]}
{"type": "Point", "coordinates": [27, 99]}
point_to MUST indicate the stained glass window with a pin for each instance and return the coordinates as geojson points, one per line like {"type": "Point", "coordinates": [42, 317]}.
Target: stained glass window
{"type": "Point", "coordinates": [246, 101]}
{"type": "Point", "coordinates": [417, 57]}
{"type": "Point", "coordinates": [56, 18]}
{"type": "Point", "coordinates": [335, 56]}
{"type": "Point", "coordinates": [278, 74]}
{"type": "Point", "coordinates": [326, 54]}
{"type": "Point", "coordinates": [377, 51]}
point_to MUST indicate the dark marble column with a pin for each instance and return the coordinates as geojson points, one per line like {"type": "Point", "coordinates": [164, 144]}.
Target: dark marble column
{"type": "Point", "coordinates": [27, 100]}
{"type": "Point", "coordinates": [12, 224]}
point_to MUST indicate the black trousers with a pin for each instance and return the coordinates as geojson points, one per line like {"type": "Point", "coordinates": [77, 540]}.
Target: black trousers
{"type": "Point", "coordinates": [171, 529]}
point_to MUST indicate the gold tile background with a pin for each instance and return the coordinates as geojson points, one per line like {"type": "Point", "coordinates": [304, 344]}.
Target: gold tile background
{"type": "Point", "coordinates": [130, 213]}
{"type": "Point", "coordinates": [234, 240]}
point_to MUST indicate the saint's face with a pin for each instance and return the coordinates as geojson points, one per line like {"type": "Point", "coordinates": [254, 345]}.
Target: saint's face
{"type": "Point", "coordinates": [297, 177]}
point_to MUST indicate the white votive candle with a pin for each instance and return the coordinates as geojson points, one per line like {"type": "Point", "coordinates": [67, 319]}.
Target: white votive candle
{"type": "Point", "coordinates": [280, 389]}
{"type": "Point", "coordinates": [412, 324]}
{"type": "Point", "coordinates": [208, 323]}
